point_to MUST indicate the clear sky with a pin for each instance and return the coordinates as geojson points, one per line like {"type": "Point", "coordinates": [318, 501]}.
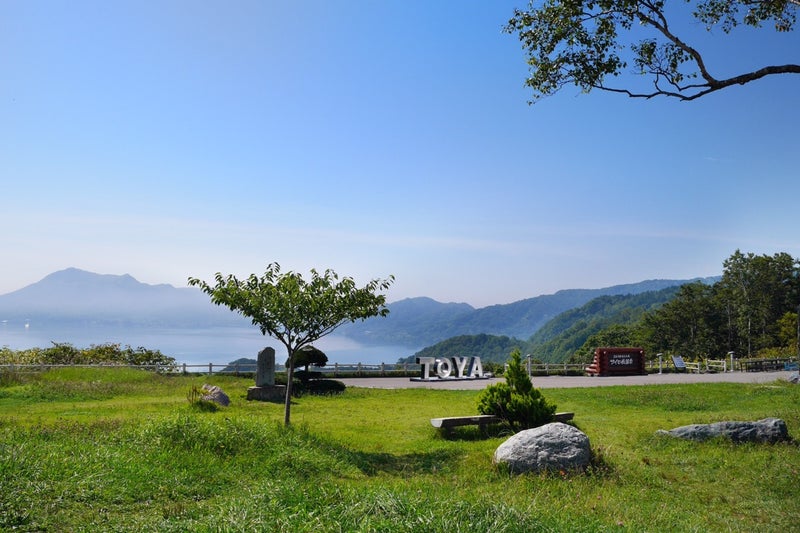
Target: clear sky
{"type": "Point", "coordinates": [168, 139]}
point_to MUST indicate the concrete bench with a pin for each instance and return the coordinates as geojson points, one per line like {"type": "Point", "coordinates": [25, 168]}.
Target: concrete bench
{"type": "Point", "coordinates": [455, 421]}
{"type": "Point", "coordinates": [482, 421]}
{"type": "Point", "coordinates": [563, 417]}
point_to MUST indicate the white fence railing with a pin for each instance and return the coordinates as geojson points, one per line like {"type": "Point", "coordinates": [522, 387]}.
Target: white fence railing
{"type": "Point", "coordinates": [335, 369]}
{"type": "Point", "coordinates": [331, 370]}
{"type": "Point", "coordinates": [403, 369]}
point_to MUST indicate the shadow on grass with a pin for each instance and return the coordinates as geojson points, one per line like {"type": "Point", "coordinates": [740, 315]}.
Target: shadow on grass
{"type": "Point", "coordinates": [373, 463]}
{"type": "Point", "coordinates": [474, 433]}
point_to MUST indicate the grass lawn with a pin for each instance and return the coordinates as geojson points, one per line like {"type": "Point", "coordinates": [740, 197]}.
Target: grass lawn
{"type": "Point", "coordinates": [122, 450]}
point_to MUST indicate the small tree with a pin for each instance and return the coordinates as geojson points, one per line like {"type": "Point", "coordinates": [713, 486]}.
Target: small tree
{"type": "Point", "coordinates": [294, 311]}
{"type": "Point", "coordinates": [307, 357]}
{"type": "Point", "coordinates": [516, 401]}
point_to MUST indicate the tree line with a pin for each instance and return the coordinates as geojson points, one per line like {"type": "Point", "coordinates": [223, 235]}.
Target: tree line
{"type": "Point", "coordinates": [752, 311]}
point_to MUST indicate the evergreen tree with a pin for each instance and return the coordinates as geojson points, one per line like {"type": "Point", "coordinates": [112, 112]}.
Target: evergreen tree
{"type": "Point", "coordinates": [516, 401]}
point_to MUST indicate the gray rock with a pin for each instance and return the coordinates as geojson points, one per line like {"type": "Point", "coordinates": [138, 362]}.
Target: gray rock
{"type": "Point", "coordinates": [212, 393]}
{"type": "Point", "coordinates": [794, 377]}
{"type": "Point", "coordinates": [554, 447]}
{"type": "Point", "coordinates": [768, 430]}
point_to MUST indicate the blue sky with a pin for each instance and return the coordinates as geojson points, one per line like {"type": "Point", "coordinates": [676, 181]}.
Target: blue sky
{"type": "Point", "coordinates": [172, 139]}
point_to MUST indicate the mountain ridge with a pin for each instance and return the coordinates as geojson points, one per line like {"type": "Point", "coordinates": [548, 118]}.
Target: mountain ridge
{"type": "Point", "coordinates": [520, 319]}
{"type": "Point", "coordinates": [73, 297]}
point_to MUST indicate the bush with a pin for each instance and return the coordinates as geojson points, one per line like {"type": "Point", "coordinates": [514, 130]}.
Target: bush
{"type": "Point", "coordinates": [64, 353]}
{"type": "Point", "coordinates": [319, 387]}
{"type": "Point", "coordinates": [516, 401]}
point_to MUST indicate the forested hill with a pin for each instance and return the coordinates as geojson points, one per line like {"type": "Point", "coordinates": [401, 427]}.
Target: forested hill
{"type": "Point", "coordinates": [418, 322]}
{"type": "Point", "coordinates": [560, 338]}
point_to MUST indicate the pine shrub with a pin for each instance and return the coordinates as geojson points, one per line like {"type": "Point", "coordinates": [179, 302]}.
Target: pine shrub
{"type": "Point", "coordinates": [516, 401]}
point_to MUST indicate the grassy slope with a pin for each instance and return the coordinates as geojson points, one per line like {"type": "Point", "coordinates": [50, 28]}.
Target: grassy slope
{"type": "Point", "coordinates": [122, 450]}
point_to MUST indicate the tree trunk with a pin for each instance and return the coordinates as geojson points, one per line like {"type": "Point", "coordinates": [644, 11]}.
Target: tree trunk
{"type": "Point", "coordinates": [287, 405]}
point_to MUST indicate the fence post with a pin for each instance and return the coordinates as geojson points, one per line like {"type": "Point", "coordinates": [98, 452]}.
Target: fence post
{"type": "Point", "coordinates": [210, 368]}
{"type": "Point", "coordinates": [383, 369]}
{"type": "Point", "coordinates": [335, 369]}
{"type": "Point", "coordinates": [358, 371]}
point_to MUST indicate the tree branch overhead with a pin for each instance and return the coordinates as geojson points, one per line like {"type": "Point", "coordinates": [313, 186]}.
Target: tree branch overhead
{"type": "Point", "coordinates": [584, 43]}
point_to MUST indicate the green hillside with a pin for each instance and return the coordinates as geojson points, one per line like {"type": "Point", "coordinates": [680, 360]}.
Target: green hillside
{"type": "Point", "coordinates": [562, 336]}
{"type": "Point", "coordinates": [557, 340]}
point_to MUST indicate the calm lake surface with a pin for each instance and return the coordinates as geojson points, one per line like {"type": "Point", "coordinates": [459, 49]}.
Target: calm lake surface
{"type": "Point", "coordinates": [196, 346]}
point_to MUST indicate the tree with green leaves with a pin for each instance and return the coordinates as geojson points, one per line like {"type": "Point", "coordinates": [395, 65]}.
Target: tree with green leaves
{"type": "Point", "coordinates": [589, 42]}
{"type": "Point", "coordinates": [295, 311]}
{"type": "Point", "coordinates": [688, 325]}
{"type": "Point", "coordinates": [516, 401]}
{"type": "Point", "coordinates": [759, 290]}
{"type": "Point", "coordinates": [309, 356]}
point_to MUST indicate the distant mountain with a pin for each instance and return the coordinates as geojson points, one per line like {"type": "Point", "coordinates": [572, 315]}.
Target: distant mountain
{"type": "Point", "coordinates": [73, 296]}
{"type": "Point", "coordinates": [560, 338]}
{"type": "Point", "coordinates": [410, 322]}
{"type": "Point", "coordinates": [423, 322]}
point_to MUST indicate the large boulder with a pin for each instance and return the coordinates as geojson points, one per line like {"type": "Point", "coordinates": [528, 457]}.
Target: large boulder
{"type": "Point", "coordinates": [768, 430]}
{"type": "Point", "coordinates": [212, 393]}
{"type": "Point", "coordinates": [553, 447]}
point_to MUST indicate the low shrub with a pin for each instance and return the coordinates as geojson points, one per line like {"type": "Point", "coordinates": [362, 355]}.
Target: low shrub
{"type": "Point", "coordinates": [516, 401]}
{"type": "Point", "coordinates": [319, 387]}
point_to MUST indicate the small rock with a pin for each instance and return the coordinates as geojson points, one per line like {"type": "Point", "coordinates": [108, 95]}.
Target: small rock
{"type": "Point", "coordinates": [553, 447]}
{"type": "Point", "coordinates": [768, 430]}
{"type": "Point", "coordinates": [212, 393]}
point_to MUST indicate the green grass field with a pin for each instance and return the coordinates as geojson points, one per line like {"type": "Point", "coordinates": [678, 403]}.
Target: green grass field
{"type": "Point", "coordinates": [122, 450]}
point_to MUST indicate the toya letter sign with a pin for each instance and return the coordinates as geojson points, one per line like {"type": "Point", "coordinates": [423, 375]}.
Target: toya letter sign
{"type": "Point", "coordinates": [446, 367]}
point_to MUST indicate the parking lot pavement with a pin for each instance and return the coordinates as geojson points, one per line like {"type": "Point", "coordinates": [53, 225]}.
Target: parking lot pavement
{"type": "Point", "coordinates": [556, 382]}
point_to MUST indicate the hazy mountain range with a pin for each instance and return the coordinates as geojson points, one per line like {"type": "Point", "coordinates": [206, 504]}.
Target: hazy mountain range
{"type": "Point", "coordinates": [75, 297]}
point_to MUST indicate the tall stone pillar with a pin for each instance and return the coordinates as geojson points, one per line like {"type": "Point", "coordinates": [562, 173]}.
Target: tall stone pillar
{"type": "Point", "coordinates": [265, 389]}
{"type": "Point", "coordinates": [265, 369]}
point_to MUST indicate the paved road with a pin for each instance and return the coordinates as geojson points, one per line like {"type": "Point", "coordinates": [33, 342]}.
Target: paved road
{"type": "Point", "coordinates": [556, 382]}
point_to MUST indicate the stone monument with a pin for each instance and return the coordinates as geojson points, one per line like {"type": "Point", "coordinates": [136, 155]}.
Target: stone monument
{"type": "Point", "coordinates": [265, 389]}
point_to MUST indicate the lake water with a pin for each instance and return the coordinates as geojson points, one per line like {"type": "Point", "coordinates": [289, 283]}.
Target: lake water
{"type": "Point", "coordinates": [196, 346]}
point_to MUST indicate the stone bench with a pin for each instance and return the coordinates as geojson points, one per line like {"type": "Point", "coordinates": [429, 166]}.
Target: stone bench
{"type": "Point", "coordinates": [447, 423]}
{"type": "Point", "coordinates": [455, 421]}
